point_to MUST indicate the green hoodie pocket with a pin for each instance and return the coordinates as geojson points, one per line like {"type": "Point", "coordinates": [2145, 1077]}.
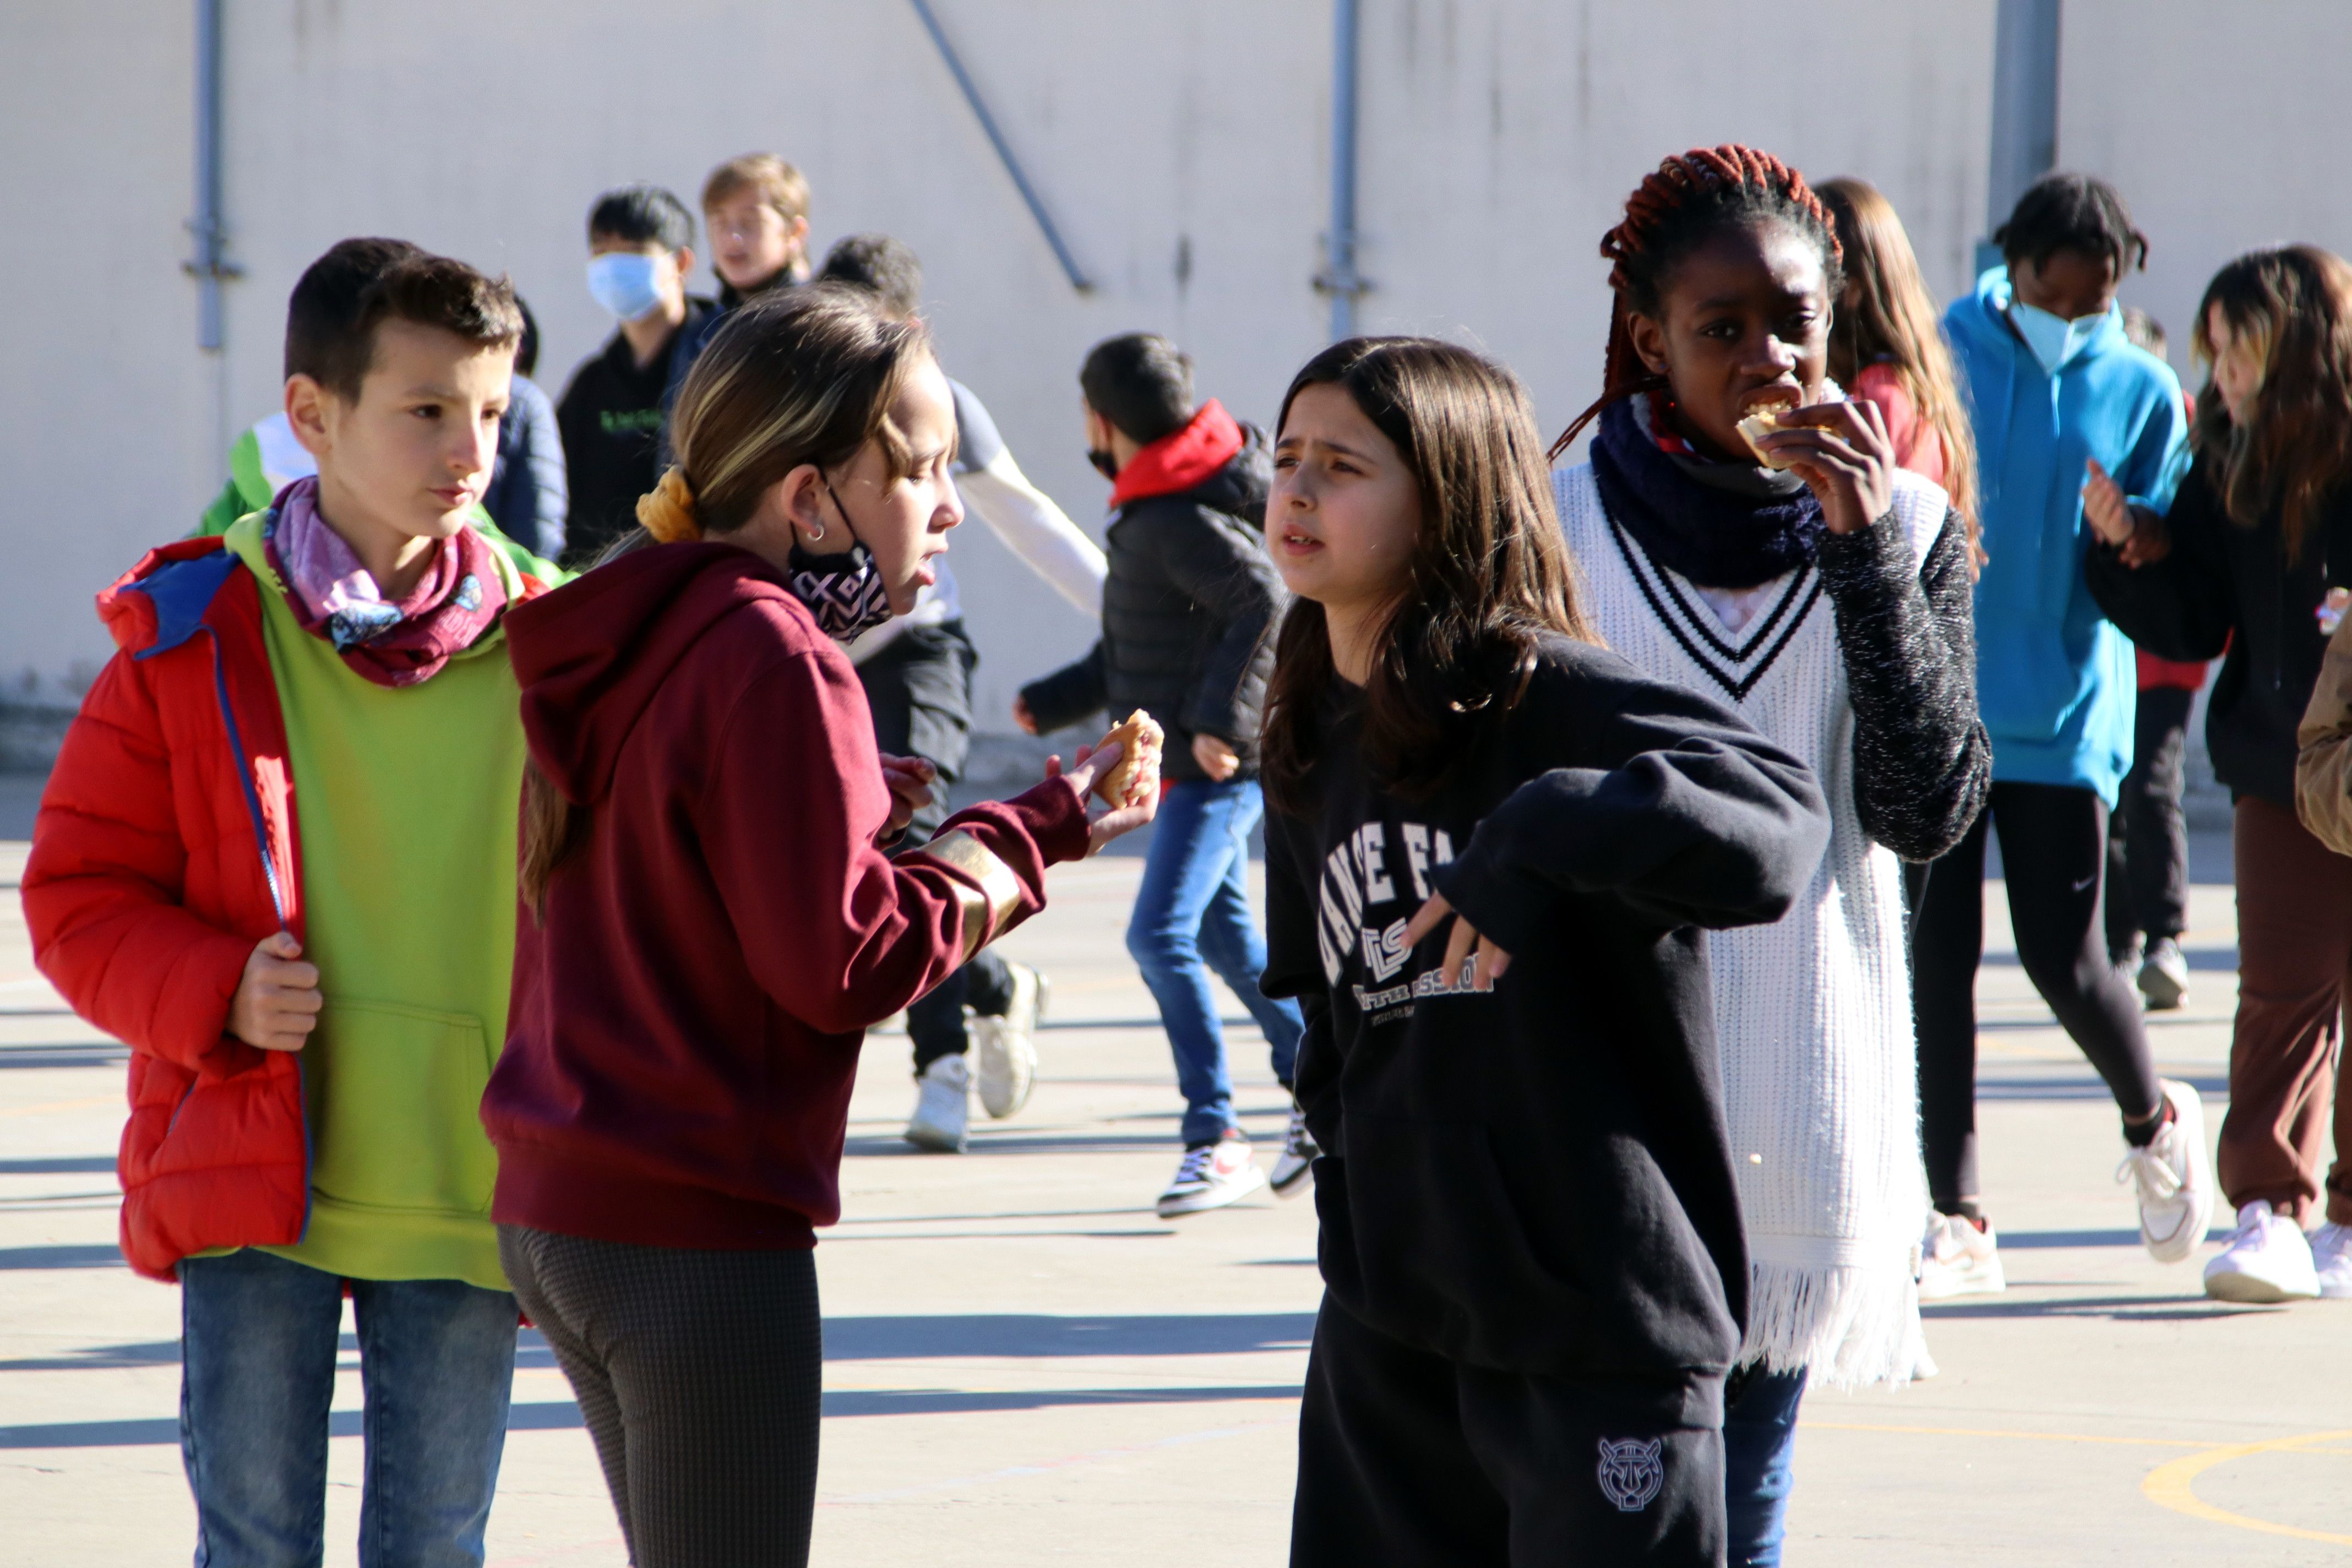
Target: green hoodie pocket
{"type": "Point", "coordinates": [395, 1098]}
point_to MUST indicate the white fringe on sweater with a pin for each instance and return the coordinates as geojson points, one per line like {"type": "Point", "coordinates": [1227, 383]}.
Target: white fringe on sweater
{"type": "Point", "coordinates": [1812, 1013]}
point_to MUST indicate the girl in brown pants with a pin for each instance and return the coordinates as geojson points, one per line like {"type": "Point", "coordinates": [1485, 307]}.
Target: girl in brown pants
{"type": "Point", "coordinates": [2258, 539]}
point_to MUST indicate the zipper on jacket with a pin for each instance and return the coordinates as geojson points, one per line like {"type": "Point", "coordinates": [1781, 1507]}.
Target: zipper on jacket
{"type": "Point", "coordinates": [270, 875]}
{"type": "Point", "coordinates": [185, 1095]}
{"type": "Point", "coordinates": [244, 782]}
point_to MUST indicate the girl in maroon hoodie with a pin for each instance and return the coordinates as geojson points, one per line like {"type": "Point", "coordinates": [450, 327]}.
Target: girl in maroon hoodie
{"type": "Point", "coordinates": [715, 923]}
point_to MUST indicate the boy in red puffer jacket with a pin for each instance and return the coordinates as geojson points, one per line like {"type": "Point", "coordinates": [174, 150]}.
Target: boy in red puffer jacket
{"type": "Point", "coordinates": [276, 858]}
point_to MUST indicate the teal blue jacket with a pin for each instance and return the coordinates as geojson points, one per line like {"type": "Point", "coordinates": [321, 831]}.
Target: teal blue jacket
{"type": "Point", "coordinates": [2054, 678]}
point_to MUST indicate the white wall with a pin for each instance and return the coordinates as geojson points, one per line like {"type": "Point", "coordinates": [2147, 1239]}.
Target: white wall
{"type": "Point", "coordinates": [1499, 139]}
{"type": "Point", "coordinates": [2221, 124]}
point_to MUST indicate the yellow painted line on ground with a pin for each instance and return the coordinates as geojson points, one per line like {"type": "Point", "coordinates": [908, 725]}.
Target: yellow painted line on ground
{"type": "Point", "coordinates": [56, 1105]}
{"type": "Point", "coordinates": [2173, 1485]}
{"type": "Point", "coordinates": [1991, 1432]}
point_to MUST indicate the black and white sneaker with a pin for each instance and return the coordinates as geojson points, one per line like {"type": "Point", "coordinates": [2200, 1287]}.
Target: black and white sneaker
{"type": "Point", "coordinates": [1210, 1177]}
{"type": "Point", "coordinates": [1294, 1172]}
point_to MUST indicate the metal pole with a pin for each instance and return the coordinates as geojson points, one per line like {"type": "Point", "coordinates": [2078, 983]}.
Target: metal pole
{"type": "Point", "coordinates": [1003, 148]}
{"type": "Point", "coordinates": [210, 266]}
{"type": "Point", "coordinates": [2024, 109]}
{"type": "Point", "coordinates": [1341, 279]}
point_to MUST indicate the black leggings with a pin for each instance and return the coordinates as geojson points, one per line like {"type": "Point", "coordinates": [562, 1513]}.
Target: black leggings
{"type": "Point", "coordinates": [2053, 844]}
{"type": "Point", "coordinates": [700, 1375]}
{"type": "Point", "coordinates": [2147, 842]}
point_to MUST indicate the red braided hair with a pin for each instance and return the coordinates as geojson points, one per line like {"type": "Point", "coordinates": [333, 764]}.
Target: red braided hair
{"type": "Point", "coordinates": [1708, 184]}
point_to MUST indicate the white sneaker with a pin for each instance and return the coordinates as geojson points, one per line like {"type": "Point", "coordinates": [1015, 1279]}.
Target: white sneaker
{"type": "Point", "coordinates": [2331, 1258]}
{"type": "Point", "coordinates": [1210, 1177]}
{"type": "Point", "coordinates": [942, 1107]}
{"type": "Point", "coordinates": [2164, 975]}
{"type": "Point", "coordinates": [1955, 1258]}
{"type": "Point", "coordinates": [2175, 1179]}
{"type": "Point", "coordinates": [1291, 1172]}
{"type": "Point", "coordinates": [1007, 1046]}
{"type": "Point", "coordinates": [2267, 1259]}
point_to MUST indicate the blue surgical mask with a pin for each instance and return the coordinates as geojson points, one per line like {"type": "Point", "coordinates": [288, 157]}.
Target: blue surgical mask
{"type": "Point", "coordinates": [622, 282]}
{"type": "Point", "coordinates": [2053, 339]}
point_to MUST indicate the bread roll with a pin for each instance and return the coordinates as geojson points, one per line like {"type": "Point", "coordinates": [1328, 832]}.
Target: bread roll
{"type": "Point", "coordinates": [1760, 424]}
{"type": "Point", "coordinates": [1139, 739]}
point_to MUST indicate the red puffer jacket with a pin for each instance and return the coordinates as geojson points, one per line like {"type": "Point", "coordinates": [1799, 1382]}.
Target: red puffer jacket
{"type": "Point", "coordinates": [164, 851]}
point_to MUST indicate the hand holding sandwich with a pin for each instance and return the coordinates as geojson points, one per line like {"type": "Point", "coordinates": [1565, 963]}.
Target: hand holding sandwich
{"type": "Point", "coordinates": [1840, 449]}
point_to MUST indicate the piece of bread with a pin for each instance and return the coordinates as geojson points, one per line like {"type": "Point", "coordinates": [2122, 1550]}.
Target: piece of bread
{"type": "Point", "coordinates": [1760, 424]}
{"type": "Point", "coordinates": [1139, 739]}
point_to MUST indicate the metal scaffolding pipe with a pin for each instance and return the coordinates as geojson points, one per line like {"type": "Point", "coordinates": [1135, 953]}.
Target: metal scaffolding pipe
{"type": "Point", "coordinates": [1341, 279]}
{"type": "Point", "coordinates": [2024, 109]}
{"type": "Point", "coordinates": [210, 266]}
{"type": "Point", "coordinates": [1003, 148]}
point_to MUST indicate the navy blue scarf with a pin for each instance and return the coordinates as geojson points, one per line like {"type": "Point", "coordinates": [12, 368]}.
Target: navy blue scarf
{"type": "Point", "coordinates": [1721, 525]}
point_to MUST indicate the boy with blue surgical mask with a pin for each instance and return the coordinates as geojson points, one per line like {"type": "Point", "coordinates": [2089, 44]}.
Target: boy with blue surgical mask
{"type": "Point", "coordinates": [640, 252]}
{"type": "Point", "coordinates": [2056, 396]}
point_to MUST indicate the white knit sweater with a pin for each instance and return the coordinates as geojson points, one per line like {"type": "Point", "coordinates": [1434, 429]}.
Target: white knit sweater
{"type": "Point", "coordinates": [1813, 1012]}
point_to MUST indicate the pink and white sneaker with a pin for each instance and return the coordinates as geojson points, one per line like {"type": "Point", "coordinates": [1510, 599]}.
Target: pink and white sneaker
{"type": "Point", "coordinates": [1210, 1177]}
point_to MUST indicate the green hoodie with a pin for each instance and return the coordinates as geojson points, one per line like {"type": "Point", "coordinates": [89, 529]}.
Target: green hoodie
{"type": "Point", "coordinates": [406, 800]}
{"type": "Point", "coordinates": [267, 458]}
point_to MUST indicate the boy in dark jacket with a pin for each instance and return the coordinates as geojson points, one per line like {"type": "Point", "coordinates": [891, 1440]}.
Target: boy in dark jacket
{"type": "Point", "coordinates": [1188, 612]}
{"type": "Point", "coordinates": [640, 252]}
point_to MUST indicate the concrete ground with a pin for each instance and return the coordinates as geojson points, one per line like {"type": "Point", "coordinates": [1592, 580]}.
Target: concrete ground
{"type": "Point", "coordinates": [1022, 1364]}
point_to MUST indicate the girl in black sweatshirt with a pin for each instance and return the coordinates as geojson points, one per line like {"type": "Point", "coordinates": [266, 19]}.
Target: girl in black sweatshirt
{"type": "Point", "coordinates": [2259, 533]}
{"type": "Point", "coordinates": [1493, 849]}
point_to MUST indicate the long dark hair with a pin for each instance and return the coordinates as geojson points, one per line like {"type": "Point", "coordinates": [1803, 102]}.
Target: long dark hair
{"type": "Point", "coordinates": [1489, 574]}
{"type": "Point", "coordinates": [798, 375]}
{"type": "Point", "coordinates": [1894, 318]}
{"type": "Point", "coordinates": [2294, 448]}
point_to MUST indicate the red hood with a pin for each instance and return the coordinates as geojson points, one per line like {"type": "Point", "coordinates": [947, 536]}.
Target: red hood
{"type": "Point", "coordinates": [1183, 460]}
{"type": "Point", "coordinates": [592, 655]}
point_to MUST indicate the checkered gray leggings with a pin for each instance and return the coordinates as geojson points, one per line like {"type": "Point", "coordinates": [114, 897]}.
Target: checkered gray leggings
{"type": "Point", "coordinates": [700, 1374]}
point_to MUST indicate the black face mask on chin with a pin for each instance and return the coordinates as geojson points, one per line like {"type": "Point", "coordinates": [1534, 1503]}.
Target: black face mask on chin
{"type": "Point", "coordinates": [1106, 462]}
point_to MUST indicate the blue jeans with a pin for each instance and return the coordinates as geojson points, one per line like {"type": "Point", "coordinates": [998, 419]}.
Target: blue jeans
{"type": "Point", "coordinates": [1193, 905]}
{"type": "Point", "coordinates": [1759, 1440]}
{"type": "Point", "coordinates": [259, 1338]}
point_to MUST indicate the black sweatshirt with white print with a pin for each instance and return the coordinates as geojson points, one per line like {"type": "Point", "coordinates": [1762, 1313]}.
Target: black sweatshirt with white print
{"type": "Point", "coordinates": [1536, 1179]}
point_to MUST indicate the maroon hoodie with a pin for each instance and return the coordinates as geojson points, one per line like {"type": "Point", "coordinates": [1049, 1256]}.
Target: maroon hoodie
{"type": "Point", "coordinates": [687, 1011]}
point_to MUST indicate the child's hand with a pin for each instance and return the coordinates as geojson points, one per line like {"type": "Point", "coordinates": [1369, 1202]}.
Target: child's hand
{"type": "Point", "coordinates": [1841, 452]}
{"type": "Point", "coordinates": [909, 780]}
{"type": "Point", "coordinates": [2139, 535]}
{"type": "Point", "coordinates": [1217, 759]}
{"type": "Point", "coordinates": [1143, 792]}
{"type": "Point", "coordinates": [2104, 507]}
{"type": "Point", "coordinates": [1491, 961]}
{"type": "Point", "coordinates": [276, 1003]}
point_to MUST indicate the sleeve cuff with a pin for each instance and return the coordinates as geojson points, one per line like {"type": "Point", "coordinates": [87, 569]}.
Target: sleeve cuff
{"type": "Point", "coordinates": [1865, 555]}
{"type": "Point", "coordinates": [990, 895]}
{"type": "Point", "coordinates": [1500, 904]}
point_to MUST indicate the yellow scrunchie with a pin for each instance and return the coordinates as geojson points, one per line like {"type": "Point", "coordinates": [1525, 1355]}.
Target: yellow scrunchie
{"type": "Point", "coordinates": [668, 511]}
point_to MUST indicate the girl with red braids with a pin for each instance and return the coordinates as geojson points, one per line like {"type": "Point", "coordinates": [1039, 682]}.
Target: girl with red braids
{"type": "Point", "coordinates": [1744, 529]}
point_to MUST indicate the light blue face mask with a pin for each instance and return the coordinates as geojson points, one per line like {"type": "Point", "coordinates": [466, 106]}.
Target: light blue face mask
{"type": "Point", "coordinates": [622, 282]}
{"type": "Point", "coordinates": [2053, 339]}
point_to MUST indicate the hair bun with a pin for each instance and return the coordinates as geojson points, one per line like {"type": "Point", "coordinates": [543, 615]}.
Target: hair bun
{"type": "Point", "coordinates": [667, 511]}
